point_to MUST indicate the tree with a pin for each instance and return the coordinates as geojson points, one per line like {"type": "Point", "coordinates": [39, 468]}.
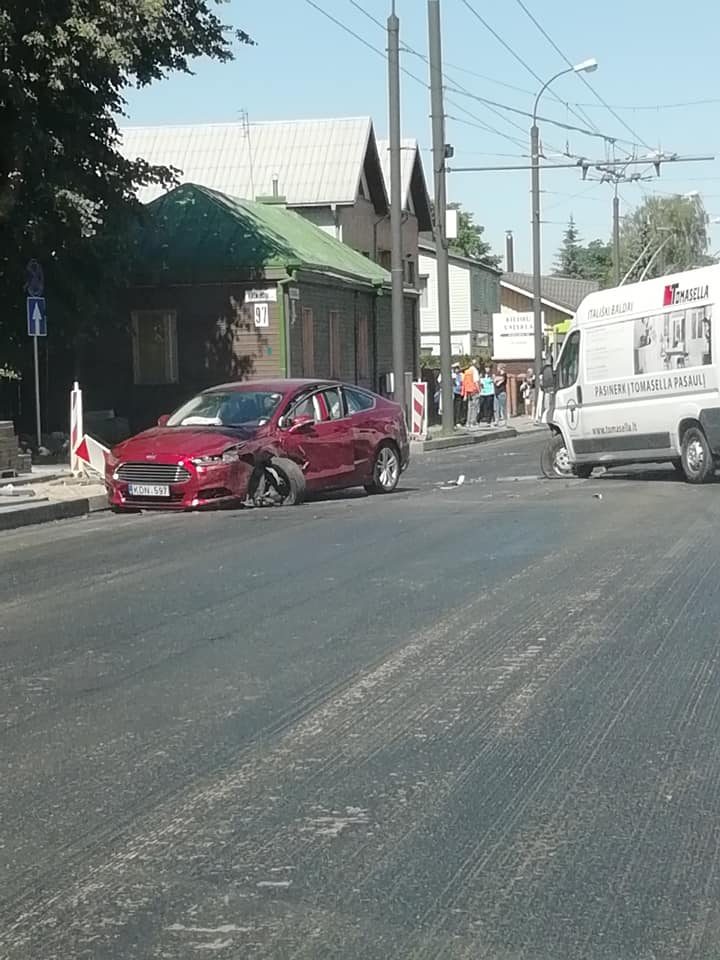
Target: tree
{"type": "Point", "coordinates": [469, 241]}
{"type": "Point", "coordinates": [568, 263]}
{"type": "Point", "coordinates": [664, 235]}
{"type": "Point", "coordinates": [66, 192]}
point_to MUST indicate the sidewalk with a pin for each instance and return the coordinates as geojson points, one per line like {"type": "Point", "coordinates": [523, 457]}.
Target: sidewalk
{"type": "Point", "coordinates": [464, 437]}
{"type": "Point", "coordinates": [48, 493]}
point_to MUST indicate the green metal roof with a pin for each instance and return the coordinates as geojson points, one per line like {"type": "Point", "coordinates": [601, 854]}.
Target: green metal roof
{"type": "Point", "coordinates": [193, 231]}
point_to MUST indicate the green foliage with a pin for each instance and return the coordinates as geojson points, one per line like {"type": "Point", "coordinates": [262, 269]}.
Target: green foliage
{"type": "Point", "coordinates": [583, 262]}
{"type": "Point", "coordinates": [65, 190]}
{"type": "Point", "coordinates": [470, 242]}
{"type": "Point", "coordinates": [664, 235]}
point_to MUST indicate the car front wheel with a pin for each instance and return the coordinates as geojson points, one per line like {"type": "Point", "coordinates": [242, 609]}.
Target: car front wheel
{"type": "Point", "coordinates": [386, 470]}
{"type": "Point", "coordinates": [279, 482]}
{"type": "Point", "coordinates": [697, 459]}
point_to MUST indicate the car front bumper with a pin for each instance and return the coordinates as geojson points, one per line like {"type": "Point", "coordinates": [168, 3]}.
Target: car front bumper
{"type": "Point", "coordinates": [216, 485]}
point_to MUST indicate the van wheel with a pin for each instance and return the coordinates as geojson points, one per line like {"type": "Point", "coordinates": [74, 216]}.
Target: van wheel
{"type": "Point", "coordinates": [696, 456]}
{"type": "Point", "coordinates": [554, 460]}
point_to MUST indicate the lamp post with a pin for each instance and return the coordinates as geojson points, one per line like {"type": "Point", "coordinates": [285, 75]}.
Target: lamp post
{"type": "Point", "coordinates": [587, 66]}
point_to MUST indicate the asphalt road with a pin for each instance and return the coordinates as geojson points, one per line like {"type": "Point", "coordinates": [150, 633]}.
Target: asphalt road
{"type": "Point", "coordinates": [464, 721]}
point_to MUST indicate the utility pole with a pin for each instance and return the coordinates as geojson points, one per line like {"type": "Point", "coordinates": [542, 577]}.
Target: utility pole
{"type": "Point", "coordinates": [616, 236]}
{"type": "Point", "coordinates": [396, 256]}
{"type": "Point", "coordinates": [439, 152]}
{"type": "Point", "coordinates": [537, 264]}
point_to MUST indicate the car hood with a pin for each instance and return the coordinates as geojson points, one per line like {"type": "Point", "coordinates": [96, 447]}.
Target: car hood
{"type": "Point", "coordinates": [177, 442]}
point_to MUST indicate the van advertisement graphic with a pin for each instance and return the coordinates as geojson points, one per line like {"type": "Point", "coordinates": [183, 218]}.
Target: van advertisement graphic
{"type": "Point", "coordinates": [673, 341]}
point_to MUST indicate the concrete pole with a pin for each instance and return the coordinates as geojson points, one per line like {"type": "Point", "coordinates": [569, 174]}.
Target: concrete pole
{"type": "Point", "coordinates": [396, 262]}
{"type": "Point", "coordinates": [616, 237]}
{"type": "Point", "coordinates": [537, 266]}
{"type": "Point", "coordinates": [437, 109]}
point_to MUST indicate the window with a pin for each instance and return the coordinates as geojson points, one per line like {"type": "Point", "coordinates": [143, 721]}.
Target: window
{"type": "Point", "coordinates": [335, 358]}
{"type": "Point", "coordinates": [362, 359]}
{"type": "Point", "coordinates": [424, 299]}
{"type": "Point", "coordinates": [307, 407]}
{"type": "Point", "coordinates": [308, 343]}
{"type": "Point", "coordinates": [358, 400]}
{"type": "Point", "coordinates": [333, 402]}
{"type": "Point", "coordinates": [567, 370]}
{"type": "Point", "coordinates": [231, 408]}
{"type": "Point", "coordinates": [410, 272]}
{"type": "Point", "coordinates": [385, 259]}
{"type": "Point", "coordinates": [154, 336]}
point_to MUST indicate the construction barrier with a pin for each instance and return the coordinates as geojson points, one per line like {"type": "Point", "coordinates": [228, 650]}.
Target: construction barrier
{"type": "Point", "coordinates": [419, 410]}
{"type": "Point", "coordinates": [76, 428]}
{"type": "Point", "coordinates": [92, 455]}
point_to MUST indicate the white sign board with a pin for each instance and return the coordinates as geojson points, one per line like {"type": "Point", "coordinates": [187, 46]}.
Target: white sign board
{"type": "Point", "coordinates": [513, 336]}
{"type": "Point", "coordinates": [261, 315]}
{"type": "Point", "coordinates": [294, 293]}
{"type": "Point", "coordinates": [266, 295]}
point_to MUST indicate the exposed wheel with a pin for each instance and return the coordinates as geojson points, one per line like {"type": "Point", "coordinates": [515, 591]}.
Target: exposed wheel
{"type": "Point", "coordinates": [386, 470]}
{"type": "Point", "coordinates": [583, 470]}
{"type": "Point", "coordinates": [279, 482]}
{"type": "Point", "coordinates": [554, 459]}
{"type": "Point", "coordinates": [696, 456]}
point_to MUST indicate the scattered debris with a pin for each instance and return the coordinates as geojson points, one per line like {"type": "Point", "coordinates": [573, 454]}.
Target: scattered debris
{"type": "Point", "coordinates": [598, 496]}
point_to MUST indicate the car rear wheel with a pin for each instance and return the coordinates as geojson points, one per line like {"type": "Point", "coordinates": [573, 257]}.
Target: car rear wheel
{"type": "Point", "coordinates": [386, 470]}
{"type": "Point", "coordinates": [697, 458]}
{"type": "Point", "coordinates": [280, 482]}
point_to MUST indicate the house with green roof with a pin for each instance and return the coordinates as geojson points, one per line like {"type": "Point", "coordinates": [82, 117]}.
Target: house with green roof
{"type": "Point", "coordinates": [226, 289]}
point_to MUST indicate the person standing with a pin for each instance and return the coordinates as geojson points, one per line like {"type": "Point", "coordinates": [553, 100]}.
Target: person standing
{"type": "Point", "coordinates": [528, 392]}
{"type": "Point", "coordinates": [458, 401]}
{"type": "Point", "coordinates": [487, 397]}
{"type": "Point", "coordinates": [470, 393]}
{"type": "Point", "coordinates": [500, 381]}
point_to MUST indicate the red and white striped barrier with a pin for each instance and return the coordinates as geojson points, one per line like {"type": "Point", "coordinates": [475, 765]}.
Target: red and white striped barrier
{"type": "Point", "coordinates": [76, 429]}
{"type": "Point", "coordinates": [91, 454]}
{"type": "Point", "coordinates": [419, 410]}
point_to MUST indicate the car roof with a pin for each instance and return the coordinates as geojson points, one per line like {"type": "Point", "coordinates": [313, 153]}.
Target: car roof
{"type": "Point", "coordinates": [279, 385]}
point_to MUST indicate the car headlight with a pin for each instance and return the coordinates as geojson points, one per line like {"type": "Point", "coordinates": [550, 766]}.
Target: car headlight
{"type": "Point", "coordinates": [229, 456]}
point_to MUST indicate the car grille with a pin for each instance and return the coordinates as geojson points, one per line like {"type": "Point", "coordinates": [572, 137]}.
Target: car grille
{"type": "Point", "coordinates": [152, 473]}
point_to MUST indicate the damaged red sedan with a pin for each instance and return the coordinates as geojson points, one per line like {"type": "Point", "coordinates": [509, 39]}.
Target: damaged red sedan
{"type": "Point", "coordinates": [261, 442]}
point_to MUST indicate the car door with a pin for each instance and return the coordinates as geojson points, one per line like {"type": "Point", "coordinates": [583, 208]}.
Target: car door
{"type": "Point", "coordinates": [365, 435]}
{"type": "Point", "coordinates": [323, 445]}
{"type": "Point", "coordinates": [567, 401]}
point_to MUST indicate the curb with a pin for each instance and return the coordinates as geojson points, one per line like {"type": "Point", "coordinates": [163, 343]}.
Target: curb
{"type": "Point", "coordinates": [47, 512]}
{"type": "Point", "coordinates": [462, 440]}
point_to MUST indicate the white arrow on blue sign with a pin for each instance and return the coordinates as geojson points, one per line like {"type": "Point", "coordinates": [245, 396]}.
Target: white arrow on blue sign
{"type": "Point", "coordinates": [36, 317]}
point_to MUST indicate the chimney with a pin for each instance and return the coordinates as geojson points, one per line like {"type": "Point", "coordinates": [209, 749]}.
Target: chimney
{"type": "Point", "coordinates": [509, 252]}
{"type": "Point", "coordinates": [276, 183]}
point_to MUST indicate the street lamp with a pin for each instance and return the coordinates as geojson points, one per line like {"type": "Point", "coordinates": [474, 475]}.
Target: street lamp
{"type": "Point", "coordinates": [587, 66]}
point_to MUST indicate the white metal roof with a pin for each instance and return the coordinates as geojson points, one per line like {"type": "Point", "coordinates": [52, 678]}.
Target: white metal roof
{"type": "Point", "coordinates": [315, 161]}
{"type": "Point", "coordinates": [408, 155]}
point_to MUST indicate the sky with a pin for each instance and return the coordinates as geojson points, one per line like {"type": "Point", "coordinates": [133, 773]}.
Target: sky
{"type": "Point", "coordinates": [656, 61]}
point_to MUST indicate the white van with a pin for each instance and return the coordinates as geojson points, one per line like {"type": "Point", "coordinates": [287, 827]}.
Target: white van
{"type": "Point", "coordinates": [637, 379]}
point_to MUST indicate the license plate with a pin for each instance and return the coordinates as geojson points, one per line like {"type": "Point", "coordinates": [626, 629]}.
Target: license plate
{"type": "Point", "coordinates": [148, 490]}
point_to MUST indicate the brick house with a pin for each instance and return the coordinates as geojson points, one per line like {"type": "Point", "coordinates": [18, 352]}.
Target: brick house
{"type": "Point", "coordinates": [226, 289]}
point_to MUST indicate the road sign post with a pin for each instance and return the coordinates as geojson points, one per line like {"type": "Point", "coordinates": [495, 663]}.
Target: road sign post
{"type": "Point", "coordinates": [37, 327]}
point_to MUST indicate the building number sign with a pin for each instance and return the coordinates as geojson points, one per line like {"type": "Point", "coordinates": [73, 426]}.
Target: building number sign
{"type": "Point", "coordinates": [261, 314]}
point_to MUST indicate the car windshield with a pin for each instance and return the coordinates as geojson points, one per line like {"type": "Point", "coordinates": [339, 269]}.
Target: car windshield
{"type": "Point", "coordinates": [233, 408]}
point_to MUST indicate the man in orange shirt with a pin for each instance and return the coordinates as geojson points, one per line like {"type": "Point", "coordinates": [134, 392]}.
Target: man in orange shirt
{"type": "Point", "coordinates": [471, 393]}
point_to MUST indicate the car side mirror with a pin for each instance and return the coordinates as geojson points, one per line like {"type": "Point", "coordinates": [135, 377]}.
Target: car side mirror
{"type": "Point", "coordinates": [300, 424]}
{"type": "Point", "coordinates": [162, 421]}
{"type": "Point", "coordinates": [547, 378]}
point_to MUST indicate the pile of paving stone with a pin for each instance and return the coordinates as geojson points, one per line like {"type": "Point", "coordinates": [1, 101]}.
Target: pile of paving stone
{"type": "Point", "coordinates": [9, 450]}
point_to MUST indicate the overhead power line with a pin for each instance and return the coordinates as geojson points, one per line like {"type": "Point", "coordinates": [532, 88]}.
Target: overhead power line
{"type": "Point", "coordinates": [516, 56]}
{"type": "Point", "coordinates": [633, 133]}
{"type": "Point", "coordinates": [655, 107]}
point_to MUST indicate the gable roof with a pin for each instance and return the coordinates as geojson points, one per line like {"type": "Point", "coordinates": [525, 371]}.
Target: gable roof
{"type": "Point", "coordinates": [194, 232]}
{"type": "Point", "coordinates": [414, 184]}
{"type": "Point", "coordinates": [565, 292]}
{"type": "Point", "coordinates": [429, 248]}
{"type": "Point", "coordinates": [316, 162]}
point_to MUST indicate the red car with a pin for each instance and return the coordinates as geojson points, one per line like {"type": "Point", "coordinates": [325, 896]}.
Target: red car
{"type": "Point", "coordinates": [261, 442]}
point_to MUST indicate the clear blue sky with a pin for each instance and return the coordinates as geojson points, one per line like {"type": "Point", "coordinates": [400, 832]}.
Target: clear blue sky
{"type": "Point", "coordinates": [650, 54]}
